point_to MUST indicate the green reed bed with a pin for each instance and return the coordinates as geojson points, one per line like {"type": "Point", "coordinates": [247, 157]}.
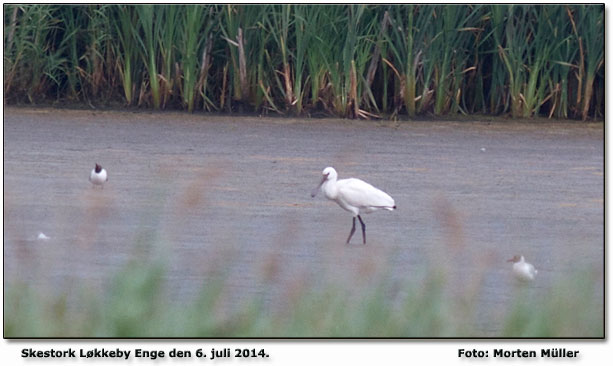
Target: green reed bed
{"type": "Point", "coordinates": [351, 61]}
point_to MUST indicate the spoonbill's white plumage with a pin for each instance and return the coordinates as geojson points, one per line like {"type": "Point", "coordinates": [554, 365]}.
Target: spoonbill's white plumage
{"type": "Point", "coordinates": [523, 270]}
{"type": "Point", "coordinates": [98, 175]}
{"type": "Point", "coordinates": [355, 196]}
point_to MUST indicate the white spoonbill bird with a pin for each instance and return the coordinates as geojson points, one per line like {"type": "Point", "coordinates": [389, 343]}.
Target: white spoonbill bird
{"type": "Point", "coordinates": [355, 196]}
{"type": "Point", "coordinates": [98, 175]}
{"type": "Point", "coordinates": [522, 269]}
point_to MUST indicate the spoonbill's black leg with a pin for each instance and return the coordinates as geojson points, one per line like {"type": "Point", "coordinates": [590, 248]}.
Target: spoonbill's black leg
{"type": "Point", "coordinates": [352, 231]}
{"type": "Point", "coordinates": [363, 228]}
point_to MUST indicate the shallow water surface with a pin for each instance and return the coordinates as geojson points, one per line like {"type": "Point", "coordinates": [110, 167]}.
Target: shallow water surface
{"type": "Point", "coordinates": [228, 197]}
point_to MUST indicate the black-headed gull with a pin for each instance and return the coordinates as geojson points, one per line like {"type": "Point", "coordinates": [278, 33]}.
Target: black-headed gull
{"type": "Point", "coordinates": [98, 175]}
{"type": "Point", "coordinates": [523, 270]}
{"type": "Point", "coordinates": [355, 196]}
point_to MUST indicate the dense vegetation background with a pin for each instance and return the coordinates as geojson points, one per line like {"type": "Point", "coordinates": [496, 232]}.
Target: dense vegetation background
{"type": "Point", "coordinates": [350, 61]}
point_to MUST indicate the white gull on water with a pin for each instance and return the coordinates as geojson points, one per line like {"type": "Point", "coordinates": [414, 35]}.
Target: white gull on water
{"type": "Point", "coordinates": [98, 175]}
{"type": "Point", "coordinates": [523, 270]}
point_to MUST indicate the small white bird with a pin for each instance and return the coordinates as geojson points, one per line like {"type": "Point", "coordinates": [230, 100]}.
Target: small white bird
{"type": "Point", "coordinates": [355, 196]}
{"type": "Point", "coordinates": [42, 236]}
{"type": "Point", "coordinates": [522, 269]}
{"type": "Point", "coordinates": [98, 175]}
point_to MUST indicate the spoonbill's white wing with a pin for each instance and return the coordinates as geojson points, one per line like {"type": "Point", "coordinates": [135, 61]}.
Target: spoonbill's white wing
{"type": "Point", "coordinates": [358, 193]}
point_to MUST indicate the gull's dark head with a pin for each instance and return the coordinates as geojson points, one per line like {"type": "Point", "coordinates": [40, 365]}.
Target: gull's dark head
{"type": "Point", "coordinates": [515, 259]}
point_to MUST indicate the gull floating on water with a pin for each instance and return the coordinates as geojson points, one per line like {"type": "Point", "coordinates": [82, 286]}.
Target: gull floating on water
{"type": "Point", "coordinates": [522, 269]}
{"type": "Point", "coordinates": [353, 195]}
{"type": "Point", "coordinates": [98, 175]}
{"type": "Point", "coordinates": [42, 236]}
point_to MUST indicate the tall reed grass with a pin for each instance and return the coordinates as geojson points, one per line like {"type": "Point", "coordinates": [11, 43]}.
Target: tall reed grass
{"type": "Point", "coordinates": [353, 61]}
